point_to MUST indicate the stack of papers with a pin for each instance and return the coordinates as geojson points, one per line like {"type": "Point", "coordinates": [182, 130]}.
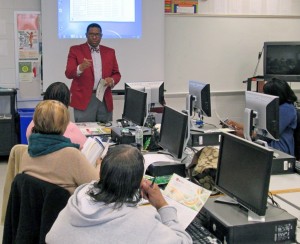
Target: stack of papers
{"type": "Point", "coordinates": [93, 128]}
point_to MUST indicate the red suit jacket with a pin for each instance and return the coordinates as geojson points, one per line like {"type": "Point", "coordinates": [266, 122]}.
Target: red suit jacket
{"type": "Point", "coordinates": [82, 86]}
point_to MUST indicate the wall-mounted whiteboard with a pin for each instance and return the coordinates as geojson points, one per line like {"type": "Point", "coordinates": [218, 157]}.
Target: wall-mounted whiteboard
{"type": "Point", "coordinates": [222, 51]}
{"type": "Point", "coordinates": [139, 59]}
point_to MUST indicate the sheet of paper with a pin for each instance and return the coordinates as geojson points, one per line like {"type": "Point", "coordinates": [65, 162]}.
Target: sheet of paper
{"type": "Point", "coordinates": [101, 89]}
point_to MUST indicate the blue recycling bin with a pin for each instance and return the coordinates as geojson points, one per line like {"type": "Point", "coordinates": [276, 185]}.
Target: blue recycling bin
{"type": "Point", "coordinates": [26, 115]}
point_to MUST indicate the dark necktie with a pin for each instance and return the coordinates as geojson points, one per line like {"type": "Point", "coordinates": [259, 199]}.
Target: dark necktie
{"type": "Point", "coordinates": [95, 49]}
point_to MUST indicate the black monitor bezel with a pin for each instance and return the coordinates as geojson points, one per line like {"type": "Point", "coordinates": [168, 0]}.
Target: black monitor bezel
{"type": "Point", "coordinates": [266, 165]}
{"type": "Point", "coordinates": [135, 106]}
{"type": "Point", "coordinates": [282, 76]}
{"type": "Point", "coordinates": [165, 141]}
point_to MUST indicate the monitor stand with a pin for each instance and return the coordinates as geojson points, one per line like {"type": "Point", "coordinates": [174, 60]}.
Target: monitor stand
{"type": "Point", "coordinates": [252, 217]}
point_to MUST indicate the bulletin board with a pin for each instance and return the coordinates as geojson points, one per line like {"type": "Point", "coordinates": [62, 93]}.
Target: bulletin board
{"type": "Point", "coordinates": [28, 54]}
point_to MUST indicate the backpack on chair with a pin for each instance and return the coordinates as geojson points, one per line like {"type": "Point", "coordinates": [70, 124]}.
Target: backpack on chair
{"type": "Point", "coordinates": [202, 171]}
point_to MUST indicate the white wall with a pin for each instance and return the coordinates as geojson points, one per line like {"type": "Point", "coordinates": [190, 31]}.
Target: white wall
{"type": "Point", "coordinates": [220, 50]}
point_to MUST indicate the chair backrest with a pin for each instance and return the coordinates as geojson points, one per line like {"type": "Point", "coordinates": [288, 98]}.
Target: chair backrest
{"type": "Point", "coordinates": [297, 137]}
{"type": "Point", "coordinates": [32, 208]}
{"type": "Point", "coordinates": [13, 168]}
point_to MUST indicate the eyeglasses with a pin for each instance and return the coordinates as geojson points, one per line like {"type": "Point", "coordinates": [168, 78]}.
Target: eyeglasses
{"type": "Point", "coordinates": [95, 34]}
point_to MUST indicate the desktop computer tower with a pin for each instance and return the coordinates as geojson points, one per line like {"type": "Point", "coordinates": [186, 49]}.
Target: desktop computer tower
{"type": "Point", "coordinates": [120, 137]}
{"type": "Point", "coordinates": [229, 223]}
{"type": "Point", "coordinates": [283, 163]}
{"type": "Point", "coordinates": [199, 139]}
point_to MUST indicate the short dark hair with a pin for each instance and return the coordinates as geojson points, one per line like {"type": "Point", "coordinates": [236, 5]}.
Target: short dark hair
{"type": "Point", "coordinates": [93, 25]}
{"type": "Point", "coordinates": [280, 88]}
{"type": "Point", "coordinates": [121, 173]}
{"type": "Point", "coordinates": [58, 91]}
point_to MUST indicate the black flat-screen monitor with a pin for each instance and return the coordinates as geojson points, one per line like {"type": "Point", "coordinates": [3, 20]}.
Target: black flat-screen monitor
{"type": "Point", "coordinates": [199, 99]}
{"type": "Point", "coordinates": [154, 90]}
{"type": "Point", "coordinates": [261, 115]}
{"type": "Point", "coordinates": [173, 132]}
{"type": "Point", "coordinates": [135, 108]}
{"type": "Point", "coordinates": [243, 173]}
{"type": "Point", "coordinates": [282, 60]}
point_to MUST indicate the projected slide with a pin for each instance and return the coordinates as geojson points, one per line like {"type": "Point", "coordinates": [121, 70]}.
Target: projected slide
{"type": "Point", "coordinates": [118, 18]}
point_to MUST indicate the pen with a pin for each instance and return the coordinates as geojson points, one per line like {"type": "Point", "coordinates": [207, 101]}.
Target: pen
{"type": "Point", "coordinates": [153, 181]}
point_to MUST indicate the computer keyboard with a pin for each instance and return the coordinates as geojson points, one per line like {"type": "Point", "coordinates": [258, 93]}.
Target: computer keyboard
{"type": "Point", "coordinates": [200, 234]}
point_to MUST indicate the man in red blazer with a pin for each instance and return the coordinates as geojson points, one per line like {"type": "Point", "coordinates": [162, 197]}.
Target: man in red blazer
{"type": "Point", "coordinates": [87, 64]}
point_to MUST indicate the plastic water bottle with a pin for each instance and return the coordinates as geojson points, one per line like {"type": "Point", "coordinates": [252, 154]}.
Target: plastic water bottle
{"type": "Point", "coordinates": [139, 136]}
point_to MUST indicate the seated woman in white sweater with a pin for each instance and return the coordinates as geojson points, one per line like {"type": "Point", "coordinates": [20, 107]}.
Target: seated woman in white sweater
{"type": "Point", "coordinates": [107, 212]}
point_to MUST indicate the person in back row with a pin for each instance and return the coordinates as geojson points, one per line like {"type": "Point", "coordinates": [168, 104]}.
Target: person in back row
{"type": "Point", "coordinates": [287, 115]}
{"type": "Point", "coordinates": [51, 156]}
{"type": "Point", "coordinates": [106, 211]}
{"type": "Point", "coordinates": [60, 92]}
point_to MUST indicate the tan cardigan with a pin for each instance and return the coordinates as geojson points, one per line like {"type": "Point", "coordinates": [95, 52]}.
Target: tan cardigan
{"type": "Point", "coordinates": [13, 168]}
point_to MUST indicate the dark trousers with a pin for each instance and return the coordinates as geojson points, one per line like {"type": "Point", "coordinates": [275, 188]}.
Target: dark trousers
{"type": "Point", "coordinates": [95, 112]}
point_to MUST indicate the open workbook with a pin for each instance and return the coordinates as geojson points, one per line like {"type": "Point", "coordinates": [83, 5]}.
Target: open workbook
{"type": "Point", "coordinates": [94, 148]}
{"type": "Point", "coordinates": [187, 197]}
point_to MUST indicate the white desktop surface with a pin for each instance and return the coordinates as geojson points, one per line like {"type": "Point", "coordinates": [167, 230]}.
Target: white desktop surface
{"type": "Point", "coordinates": [290, 202]}
{"type": "Point", "coordinates": [285, 183]}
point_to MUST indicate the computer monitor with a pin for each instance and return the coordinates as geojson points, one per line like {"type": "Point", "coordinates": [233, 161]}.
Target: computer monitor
{"type": "Point", "coordinates": [282, 60]}
{"type": "Point", "coordinates": [154, 90]}
{"type": "Point", "coordinates": [199, 98]}
{"type": "Point", "coordinates": [243, 174]}
{"type": "Point", "coordinates": [135, 109]}
{"type": "Point", "coordinates": [173, 132]}
{"type": "Point", "coordinates": [261, 115]}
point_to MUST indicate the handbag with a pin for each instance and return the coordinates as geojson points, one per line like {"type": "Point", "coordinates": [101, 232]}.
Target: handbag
{"type": "Point", "coordinates": [202, 171]}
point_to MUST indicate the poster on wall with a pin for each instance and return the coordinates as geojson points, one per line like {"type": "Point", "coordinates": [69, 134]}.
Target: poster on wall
{"type": "Point", "coordinates": [28, 53]}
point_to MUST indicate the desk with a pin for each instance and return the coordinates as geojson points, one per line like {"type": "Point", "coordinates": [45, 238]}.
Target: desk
{"type": "Point", "coordinates": [284, 183]}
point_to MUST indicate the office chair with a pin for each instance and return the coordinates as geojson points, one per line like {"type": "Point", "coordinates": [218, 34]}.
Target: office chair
{"type": "Point", "coordinates": [13, 168]}
{"type": "Point", "coordinates": [32, 208]}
